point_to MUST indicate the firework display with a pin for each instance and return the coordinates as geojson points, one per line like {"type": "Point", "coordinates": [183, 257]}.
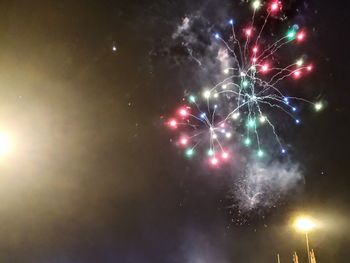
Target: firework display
{"type": "Point", "coordinates": [240, 106]}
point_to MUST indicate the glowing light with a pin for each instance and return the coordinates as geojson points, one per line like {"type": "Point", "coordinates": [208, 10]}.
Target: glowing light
{"type": "Point", "coordinates": [225, 155]}
{"type": "Point", "coordinates": [255, 49]}
{"type": "Point", "coordinates": [184, 141]}
{"type": "Point", "coordinates": [318, 106]}
{"type": "Point", "coordinates": [231, 22]}
{"type": "Point", "coordinates": [297, 74]}
{"type": "Point", "coordinates": [304, 224]}
{"type": "Point", "coordinates": [6, 144]}
{"type": "Point", "coordinates": [247, 141]}
{"type": "Point", "coordinates": [283, 151]}
{"type": "Point", "coordinates": [226, 71]}
{"type": "Point", "coordinates": [297, 121]}
{"type": "Point", "coordinates": [215, 136]}
{"type": "Point", "coordinates": [251, 123]}
{"type": "Point", "coordinates": [300, 36]}
{"type": "Point", "coordinates": [217, 36]}
{"type": "Point", "coordinates": [183, 112]}
{"type": "Point", "coordinates": [309, 68]}
{"type": "Point", "coordinates": [228, 135]}
{"type": "Point", "coordinates": [172, 123]}
{"type": "Point", "coordinates": [262, 119]}
{"type": "Point", "coordinates": [235, 116]}
{"type": "Point", "coordinates": [216, 95]}
{"type": "Point", "coordinates": [275, 6]}
{"type": "Point", "coordinates": [294, 109]}
{"type": "Point", "coordinates": [291, 34]}
{"type": "Point", "coordinates": [256, 4]}
{"type": "Point", "coordinates": [114, 48]}
{"type": "Point", "coordinates": [265, 67]}
{"type": "Point", "coordinates": [248, 32]}
{"type": "Point", "coordinates": [189, 152]}
{"type": "Point", "coordinates": [243, 74]}
{"type": "Point", "coordinates": [245, 83]}
{"type": "Point", "coordinates": [210, 152]}
{"type": "Point", "coordinates": [260, 153]}
{"type": "Point", "coordinates": [192, 99]}
{"type": "Point", "coordinates": [300, 62]}
{"type": "Point", "coordinates": [214, 161]}
{"type": "Point", "coordinates": [224, 86]}
{"type": "Point", "coordinates": [206, 94]}
{"type": "Point", "coordinates": [254, 59]}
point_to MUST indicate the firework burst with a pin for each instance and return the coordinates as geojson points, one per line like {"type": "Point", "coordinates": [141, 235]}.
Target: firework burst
{"type": "Point", "coordinates": [243, 103]}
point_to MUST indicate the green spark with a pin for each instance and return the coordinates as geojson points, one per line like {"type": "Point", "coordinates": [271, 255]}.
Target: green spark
{"type": "Point", "coordinates": [210, 152]}
{"type": "Point", "coordinates": [192, 99]}
{"type": "Point", "coordinates": [247, 141]}
{"type": "Point", "coordinates": [189, 152]}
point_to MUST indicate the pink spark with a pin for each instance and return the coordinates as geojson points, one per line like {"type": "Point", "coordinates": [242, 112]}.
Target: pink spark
{"type": "Point", "coordinates": [214, 161]}
{"type": "Point", "coordinates": [225, 155]}
{"type": "Point", "coordinates": [297, 74]}
{"type": "Point", "coordinates": [183, 112]}
{"type": "Point", "coordinates": [248, 32]}
{"type": "Point", "coordinates": [301, 36]}
{"type": "Point", "coordinates": [275, 6]}
{"type": "Point", "coordinates": [265, 67]}
{"type": "Point", "coordinates": [172, 123]}
{"type": "Point", "coordinates": [184, 141]}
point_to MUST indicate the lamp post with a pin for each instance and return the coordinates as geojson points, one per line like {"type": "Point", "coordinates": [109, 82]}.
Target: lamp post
{"type": "Point", "coordinates": [305, 224]}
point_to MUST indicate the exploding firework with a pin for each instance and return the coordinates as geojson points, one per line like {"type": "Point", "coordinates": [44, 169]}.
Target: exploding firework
{"type": "Point", "coordinates": [241, 106]}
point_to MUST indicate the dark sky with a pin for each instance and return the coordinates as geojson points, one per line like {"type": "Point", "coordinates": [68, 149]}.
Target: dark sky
{"type": "Point", "coordinates": [94, 177]}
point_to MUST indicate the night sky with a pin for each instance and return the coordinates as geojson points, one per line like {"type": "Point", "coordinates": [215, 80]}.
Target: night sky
{"type": "Point", "coordinates": [94, 176]}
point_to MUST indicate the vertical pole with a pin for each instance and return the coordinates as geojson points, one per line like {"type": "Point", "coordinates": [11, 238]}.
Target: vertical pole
{"type": "Point", "coordinates": [307, 247]}
{"type": "Point", "coordinates": [278, 258]}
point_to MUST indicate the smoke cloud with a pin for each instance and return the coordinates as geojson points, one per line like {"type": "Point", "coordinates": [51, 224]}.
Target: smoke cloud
{"type": "Point", "coordinates": [262, 185]}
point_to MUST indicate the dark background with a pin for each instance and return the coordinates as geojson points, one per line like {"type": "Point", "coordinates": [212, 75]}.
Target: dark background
{"type": "Point", "coordinates": [95, 179]}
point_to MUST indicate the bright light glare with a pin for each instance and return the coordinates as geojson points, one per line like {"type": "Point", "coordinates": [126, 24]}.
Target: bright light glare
{"type": "Point", "coordinates": [304, 224]}
{"type": "Point", "coordinates": [214, 161]}
{"type": "Point", "coordinates": [6, 144]}
{"type": "Point", "coordinates": [248, 32]}
{"type": "Point", "coordinates": [206, 94]}
{"type": "Point", "coordinates": [256, 4]}
{"type": "Point", "coordinates": [300, 62]}
{"type": "Point", "coordinates": [235, 116]}
{"type": "Point", "coordinates": [318, 106]}
{"type": "Point", "coordinates": [225, 155]}
{"type": "Point", "coordinates": [265, 67]}
{"type": "Point", "coordinates": [262, 119]}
